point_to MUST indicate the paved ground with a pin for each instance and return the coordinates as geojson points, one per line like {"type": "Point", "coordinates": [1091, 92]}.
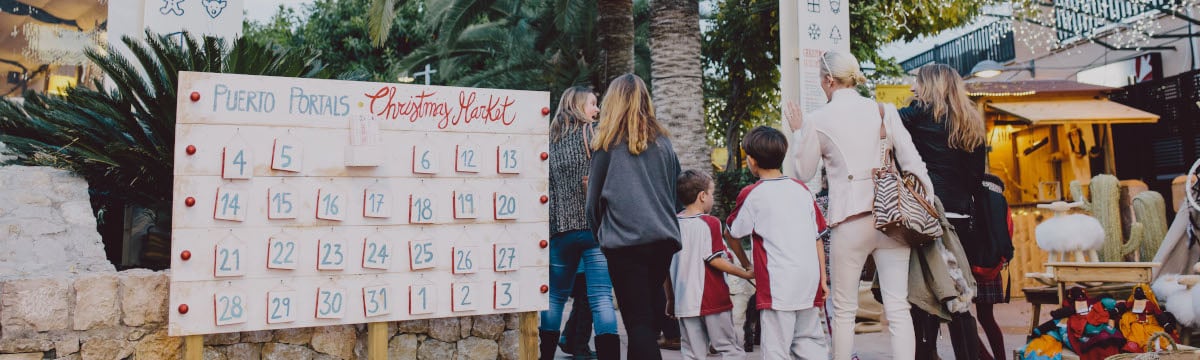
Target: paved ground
{"type": "Point", "coordinates": [1013, 318]}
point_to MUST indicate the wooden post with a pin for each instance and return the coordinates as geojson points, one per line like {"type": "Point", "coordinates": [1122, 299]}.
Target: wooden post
{"type": "Point", "coordinates": [193, 347]}
{"type": "Point", "coordinates": [529, 336]}
{"type": "Point", "coordinates": [377, 341]}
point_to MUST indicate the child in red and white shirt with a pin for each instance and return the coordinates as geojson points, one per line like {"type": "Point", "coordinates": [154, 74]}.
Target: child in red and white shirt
{"type": "Point", "coordinates": [701, 298]}
{"type": "Point", "coordinates": [782, 217]}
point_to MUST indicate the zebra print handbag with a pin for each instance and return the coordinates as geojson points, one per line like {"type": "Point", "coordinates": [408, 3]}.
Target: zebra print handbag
{"type": "Point", "coordinates": [901, 209]}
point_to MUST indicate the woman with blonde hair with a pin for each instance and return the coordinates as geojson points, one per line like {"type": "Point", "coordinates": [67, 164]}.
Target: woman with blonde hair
{"type": "Point", "coordinates": [948, 132]}
{"type": "Point", "coordinates": [571, 240]}
{"type": "Point", "coordinates": [843, 134]}
{"type": "Point", "coordinates": [631, 206]}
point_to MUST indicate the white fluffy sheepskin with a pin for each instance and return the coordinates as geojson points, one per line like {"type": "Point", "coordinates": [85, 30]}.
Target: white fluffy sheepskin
{"type": "Point", "coordinates": [1176, 298]}
{"type": "Point", "coordinates": [1074, 232]}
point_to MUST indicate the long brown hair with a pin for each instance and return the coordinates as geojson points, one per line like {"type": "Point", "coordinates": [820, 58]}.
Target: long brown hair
{"type": "Point", "coordinates": [942, 90]}
{"type": "Point", "coordinates": [572, 112]}
{"type": "Point", "coordinates": [627, 114]}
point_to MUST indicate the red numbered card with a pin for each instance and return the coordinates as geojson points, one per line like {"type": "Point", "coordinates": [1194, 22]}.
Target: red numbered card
{"type": "Point", "coordinates": [231, 204]}
{"type": "Point", "coordinates": [504, 205]}
{"type": "Point", "coordinates": [508, 159]}
{"type": "Point", "coordinates": [421, 209]}
{"type": "Point", "coordinates": [507, 295]}
{"type": "Point", "coordinates": [422, 299]}
{"type": "Point", "coordinates": [464, 296]}
{"type": "Point", "coordinates": [376, 300]}
{"type": "Point", "coordinates": [464, 259]}
{"type": "Point", "coordinates": [331, 253]}
{"type": "Point", "coordinates": [331, 203]}
{"type": "Point", "coordinates": [425, 160]}
{"type": "Point", "coordinates": [377, 252]}
{"type": "Point", "coordinates": [466, 159]}
{"type": "Point", "coordinates": [421, 254]}
{"type": "Point", "coordinates": [236, 160]}
{"type": "Point", "coordinates": [464, 204]}
{"type": "Point", "coordinates": [281, 306]}
{"type": "Point", "coordinates": [229, 307]}
{"type": "Point", "coordinates": [227, 257]}
{"type": "Point", "coordinates": [377, 201]}
{"type": "Point", "coordinates": [282, 252]}
{"type": "Point", "coordinates": [505, 258]}
{"type": "Point", "coordinates": [331, 303]}
{"type": "Point", "coordinates": [282, 202]}
{"type": "Point", "coordinates": [286, 155]}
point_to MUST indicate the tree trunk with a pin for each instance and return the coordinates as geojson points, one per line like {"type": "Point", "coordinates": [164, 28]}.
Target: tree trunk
{"type": "Point", "coordinates": [614, 27]}
{"type": "Point", "coordinates": [675, 68]}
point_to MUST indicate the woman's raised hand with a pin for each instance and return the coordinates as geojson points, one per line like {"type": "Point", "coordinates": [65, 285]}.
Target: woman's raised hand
{"type": "Point", "coordinates": [794, 115]}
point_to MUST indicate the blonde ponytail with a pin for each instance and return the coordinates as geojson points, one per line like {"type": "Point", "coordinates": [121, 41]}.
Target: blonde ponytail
{"type": "Point", "coordinates": [843, 68]}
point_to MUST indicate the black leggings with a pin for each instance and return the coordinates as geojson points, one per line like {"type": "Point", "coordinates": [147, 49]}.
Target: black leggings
{"type": "Point", "coordinates": [638, 273]}
{"type": "Point", "coordinates": [963, 335]}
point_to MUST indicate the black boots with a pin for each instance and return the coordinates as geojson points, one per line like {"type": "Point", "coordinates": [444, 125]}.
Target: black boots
{"type": "Point", "coordinates": [608, 347]}
{"type": "Point", "coordinates": [549, 341]}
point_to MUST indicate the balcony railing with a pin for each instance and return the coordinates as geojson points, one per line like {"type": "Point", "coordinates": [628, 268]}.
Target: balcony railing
{"type": "Point", "coordinates": [1084, 18]}
{"type": "Point", "coordinates": [991, 42]}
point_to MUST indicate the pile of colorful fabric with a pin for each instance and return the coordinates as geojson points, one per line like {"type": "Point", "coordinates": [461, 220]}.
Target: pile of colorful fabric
{"type": "Point", "coordinates": [1096, 328]}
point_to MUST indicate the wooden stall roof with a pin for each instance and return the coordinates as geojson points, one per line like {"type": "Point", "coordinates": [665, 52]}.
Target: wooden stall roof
{"type": "Point", "coordinates": [1034, 87]}
{"type": "Point", "coordinates": [1066, 111]}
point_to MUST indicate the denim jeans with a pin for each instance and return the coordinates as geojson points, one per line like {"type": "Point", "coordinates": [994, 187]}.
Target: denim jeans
{"type": "Point", "coordinates": [567, 251]}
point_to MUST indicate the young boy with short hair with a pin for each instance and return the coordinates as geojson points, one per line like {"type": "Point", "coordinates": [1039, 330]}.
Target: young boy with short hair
{"type": "Point", "coordinates": [789, 260]}
{"type": "Point", "coordinates": [701, 298]}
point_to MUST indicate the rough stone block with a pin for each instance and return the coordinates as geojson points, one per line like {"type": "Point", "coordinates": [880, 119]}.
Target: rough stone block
{"type": "Point", "coordinates": [335, 340]}
{"type": "Point", "coordinates": [106, 349]}
{"type": "Point", "coordinates": [464, 326]}
{"type": "Point", "coordinates": [37, 304]}
{"type": "Point", "coordinates": [25, 356]}
{"type": "Point", "coordinates": [413, 326]}
{"type": "Point", "coordinates": [510, 345]}
{"type": "Point", "coordinates": [296, 336]}
{"type": "Point", "coordinates": [211, 353]}
{"type": "Point", "coordinates": [67, 346]}
{"type": "Point", "coordinates": [488, 326]}
{"type": "Point", "coordinates": [78, 213]}
{"type": "Point", "coordinates": [25, 345]}
{"type": "Point", "coordinates": [158, 346]}
{"type": "Point", "coordinates": [222, 339]}
{"type": "Point", "coordinates": [96, 303]}
{"type": "Point", "coordinates": [74, 356]}
{"type": "Point", "coordinates": [274, 351]}
{"type": "Point", "coordinates": [512, 321]}
{"type": "Point", "coordinates": [143, 297]}
{"type": "Point", "coordinates": [432, 349]}
{"type": "Point", "coordinates": [474, 348]}
{"type": "Point", "coordinates": [256, 336]}
{"type": "Point", "coordinates": [241, 351]}
{"type": "Point", "coordinates": [403, 347]}
{"type": "Point", "coordinates": [444, 329]}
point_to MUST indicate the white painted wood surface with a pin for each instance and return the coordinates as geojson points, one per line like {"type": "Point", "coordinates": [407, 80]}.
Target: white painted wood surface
{"type": "Point", "coordinates": [331, 225]}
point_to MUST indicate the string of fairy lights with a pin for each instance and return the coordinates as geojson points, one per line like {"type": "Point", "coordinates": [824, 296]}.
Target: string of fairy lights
{"type": "Point", "coordinates": [1054, 26]}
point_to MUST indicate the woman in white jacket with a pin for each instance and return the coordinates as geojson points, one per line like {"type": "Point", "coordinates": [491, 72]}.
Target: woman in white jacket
{"type": "Point", "coordinates": [845, 134]}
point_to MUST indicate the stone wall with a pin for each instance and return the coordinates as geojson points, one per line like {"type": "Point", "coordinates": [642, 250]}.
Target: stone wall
{"type": "Point", "coordinates": [46, 224]}
{"type": "Point", "coordinates": [60, 298]}
{"type": "Point", "coordinates": [110, 315]}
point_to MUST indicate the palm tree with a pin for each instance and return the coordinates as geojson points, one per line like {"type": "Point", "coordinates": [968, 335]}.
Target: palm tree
{"type": "Point", "coordinates": [615, 32]}
{"type": "Point", "coordinates": [678, 82]}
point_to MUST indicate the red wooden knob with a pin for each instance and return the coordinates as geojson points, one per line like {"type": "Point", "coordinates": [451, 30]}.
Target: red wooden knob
{"type": "Point", "coordinates": [545, 155]}
{"type": "Point", "coordinates": [543, 244]}
{"type": "Point", "coordinates": [544, 199]}
{"type": "Point", "coordinates": [190, 201]}
{"type": "Point", "coordinates": [545, 288]}
{"type": "Point", "coordinates": [545, 111]}
{"type": "Point", "coordinates": [195, 96]}
{"type": "Point", "coordinates": [183, 308]}
{"type": "Point", "coordinates": [191, 149]}
{"type": "Point", "coordinates": [185, 255]}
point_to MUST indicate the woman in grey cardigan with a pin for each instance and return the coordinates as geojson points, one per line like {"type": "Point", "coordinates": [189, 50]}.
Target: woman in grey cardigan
{"type": "Point", "coordinates": [572, 241]}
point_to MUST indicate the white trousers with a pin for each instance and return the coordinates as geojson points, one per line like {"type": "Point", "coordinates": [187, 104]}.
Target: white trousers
{"type": "Point", "coordinates": [852, 241]}
{"type": "Point", "coordinates": [697, 332]}
{"type": "Point", "coordinates": [793, 335]}
{"type": "Point", "coordinates": [740, 302]}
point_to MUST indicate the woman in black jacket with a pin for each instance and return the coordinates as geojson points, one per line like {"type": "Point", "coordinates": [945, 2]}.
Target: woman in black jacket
{"type": "Point", "coordinates": [948, 132]}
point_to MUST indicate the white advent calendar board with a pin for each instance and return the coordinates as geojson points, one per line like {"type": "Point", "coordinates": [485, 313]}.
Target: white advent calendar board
{"type": "Point", "coordinates": [303, 202]}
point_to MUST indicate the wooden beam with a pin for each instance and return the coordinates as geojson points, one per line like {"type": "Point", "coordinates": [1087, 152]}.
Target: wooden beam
{"type": "Point", "coordinates": [193, 347]}
{"type": "Point", "coordinates": [377, 341]}
{"type": "Point", "coordinates": [528, 332]}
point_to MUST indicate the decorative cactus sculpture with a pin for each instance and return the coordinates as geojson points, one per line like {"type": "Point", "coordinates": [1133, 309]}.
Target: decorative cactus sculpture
{"type": "Point", "coordinates": [1150, 225]}
{"type": "Point", "coordinates": [1105, 206]}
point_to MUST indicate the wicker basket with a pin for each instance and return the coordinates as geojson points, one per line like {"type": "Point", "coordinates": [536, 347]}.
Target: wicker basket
{"type": "Point", "coordinates": [1173, 354]}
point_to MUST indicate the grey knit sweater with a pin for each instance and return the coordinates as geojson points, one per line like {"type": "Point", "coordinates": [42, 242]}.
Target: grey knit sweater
{"type": "Point", "coordinates": [631, 198]}
{"type": "Point", "coordinates": [569, 162]}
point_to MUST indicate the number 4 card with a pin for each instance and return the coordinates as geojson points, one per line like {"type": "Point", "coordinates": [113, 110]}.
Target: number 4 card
{"type": "Point", "coordinates": [236, 160]}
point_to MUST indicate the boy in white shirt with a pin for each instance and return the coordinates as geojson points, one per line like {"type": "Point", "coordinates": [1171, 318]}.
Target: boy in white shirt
{"type": "Point", "coordinates": [782, 217]}
{"type": "Point", "coordinates": [701, 297]}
